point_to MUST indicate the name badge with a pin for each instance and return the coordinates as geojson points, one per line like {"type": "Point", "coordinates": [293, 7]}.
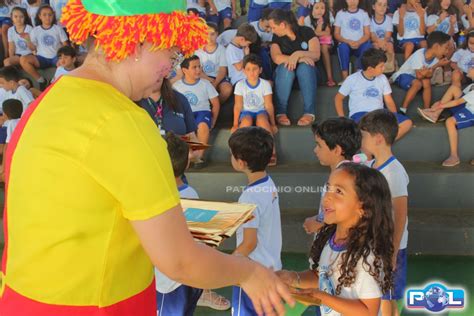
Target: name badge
{"type": "Point", "coordinates": [304, 45]}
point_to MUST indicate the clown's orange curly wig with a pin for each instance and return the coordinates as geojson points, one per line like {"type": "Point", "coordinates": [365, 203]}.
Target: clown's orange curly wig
{"type": "Point", "coordinates": [118, 36]}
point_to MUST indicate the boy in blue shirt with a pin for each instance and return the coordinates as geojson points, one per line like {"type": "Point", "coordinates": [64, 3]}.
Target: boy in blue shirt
{"type": "Point", "coordinates": [259, 239]}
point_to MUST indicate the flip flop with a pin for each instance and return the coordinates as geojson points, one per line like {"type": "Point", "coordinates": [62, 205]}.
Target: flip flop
{"type": "Point", "coordinates": [283, 120]}
{"type": "Point", "coordinates": [306, 120]}
{"type": "Point", "coordinates": [451, 162]}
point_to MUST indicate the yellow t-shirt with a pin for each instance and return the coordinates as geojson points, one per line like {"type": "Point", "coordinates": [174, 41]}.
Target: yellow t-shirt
{"type": "Point", "coordinates": [88, 161]}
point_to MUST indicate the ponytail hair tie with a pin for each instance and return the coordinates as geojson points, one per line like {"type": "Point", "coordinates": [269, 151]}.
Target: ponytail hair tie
{"type": "Point", "coordinates": [359, 158]}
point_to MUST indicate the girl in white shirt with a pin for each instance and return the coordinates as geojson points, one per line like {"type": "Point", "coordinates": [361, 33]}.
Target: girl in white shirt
{"type": "Point", "coordinates": [6, 7]}
{"type": "Point", "coordinates": [462, 61]}
{"type": "Point", "coordinates": [442, 16]}
{"type": "Point", "coordinates": [352, 253]}
{"type": "Point", "coordinates": [17, 34]}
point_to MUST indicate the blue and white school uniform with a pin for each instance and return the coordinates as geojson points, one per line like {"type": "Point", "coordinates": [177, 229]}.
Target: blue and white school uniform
{"type": "Point", "coordinates": [255, 9]}
{"type": "Point", "coordinates": [412, 28]}
{"type": "Point", "coordinates": [398, 180]}
{"type": "Point", "coordinates": [365, 286]}
{"type": "Point", "coordinates": [48, 42]}
{"type": "Point", "coordinates": [193, 4]}
{"type": "Point", "coordinates": [304, 11]}
{"type": "Point", "coordinates": [212, 61]}
{"type": "Point", "coordinates": [381, 29]}
{"type": "Point", "coordinates": [407, 72]}
{"type": "Point", "coordinates": [464, 113]}
{"type": "Point", "coordinates": [266, 37]}
{"type": "Point", "coordinates": [5, 15]}
{"type": "Point", "coordinates": [21, 46]}
{"type": "Point", "coordinates": [464, 58]}
{"type": "Point", "coordinates": [281, 4]}
{"type": "Point", "coordinates": [224, 11]}
{"type": "Point", "coordinates": [352, 26]}
{"type": "Point", "coordinates": [234, 55]}
{"type": "Point", "coordinates": [267, 221]}
{"type": "Point", "coordinates": [253, 97]}
{"type": "Point", "coordinates": [198, 95]}
{"type": "Point", "coordinates": [444, 26]}
{"type": "Point", "coordinates": [465, 22]}
{"type": "Point", "coordinates": [174, 298]}
{"type": "Point", "coordinates": [366, 95]}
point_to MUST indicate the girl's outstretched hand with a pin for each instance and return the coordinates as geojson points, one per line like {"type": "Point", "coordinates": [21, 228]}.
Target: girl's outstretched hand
{"type": "Point", "coordinates": [266, 291]}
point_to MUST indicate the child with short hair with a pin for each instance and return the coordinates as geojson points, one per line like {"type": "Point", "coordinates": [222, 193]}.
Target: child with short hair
{"type": "Point", "coordinates": [238, 49]}
{"type": "Point", "coordinates": [381, 29]}
{"type": "Point", "coordinates": [222, 11]}
{"type": "Point", "coordinates": [214, 64]}
{"type": "Point", "coordinates": [17, 45]}
{"type": "Point", "coordinates": [352, 31]}
{"type": "Point", "coordinates": [461, 105]}
{"type": "Point", "coordinates": [337, 141]}
{"type": "Point", "coordinates": [410, 20]}
{"type": "Point", "coordinates": [368, 89]}
{"type": "Point", "coordinates": [351, 254]}
{"type": "Point", "coordinates": [462, 61]}
{"type": "Point", "coordinates": [203, 98]}
{"type": "Point", "coordinates": [416, 72]}
{"type": "Point", "coordinates": [9, 77]}
{"type": "Point", "coordinates": [262, 26]}
{"type": "Point", "coordinates": [12, 110]}
{"type": "Point", "coordinates": [46, 39]}
{"type": "Point", "coordinates": [379, 130]}
{"type": "Point", "coordinates": [66, 61]}
{"type": "Point", "coordinates": [259, 239]}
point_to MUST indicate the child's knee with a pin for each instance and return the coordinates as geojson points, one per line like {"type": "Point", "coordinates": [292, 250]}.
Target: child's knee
{"type": "Point", "coordinates": [406, 125]}
{"type": "Point", "coordinates": [409, 46]}
{"type": "Point", "coordinates": [451, 122]}
{"type": "Point", "coordinates": [423, 44]}
{"type": "Point", "coordinates": [426, 83]}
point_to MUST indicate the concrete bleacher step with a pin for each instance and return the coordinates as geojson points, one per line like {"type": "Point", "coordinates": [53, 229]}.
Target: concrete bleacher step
{"type": "Point", "coordinates": [300, 184]}
{"type": "Point", "coordinates": [425, 142]}
{"type": "Point", "coordinates": [432, 231]}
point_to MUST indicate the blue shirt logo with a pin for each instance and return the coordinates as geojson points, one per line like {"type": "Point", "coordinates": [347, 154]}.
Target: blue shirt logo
{"type": "Point", "coordinates": [252, 100]}
{"type": "Point", "coordinates": [443, 27]}
{"type": "Point", "coordinates": [49, 40]}
{"type": "Point", "coordinates": [380, 33]}
{"type": "Point", "coordinates": [4, 11]}
{"type": "Point", "coordinates": [372, 92]}
{"type": "Point", "coordinates": [304, 45]}
{"type": "Point", "coordinates": [192, 98]}
{"type": "Point", "coordinates": [209, 67]}
{"type": "Point", "coordinates": [22, 44]}
{"type": "Point", "coordinates": [325, 285]}
{"type": "Point", "coordinates": [435, 298]}
{"type": "Point", "coordinates": [355, 24]}
{"type": "Point", "coordinates": [469, 64]}
{"type": "Point", "coordinates": [412, 23]}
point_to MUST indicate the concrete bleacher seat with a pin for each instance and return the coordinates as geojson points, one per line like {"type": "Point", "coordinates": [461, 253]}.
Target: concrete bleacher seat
{"type": "Point", "coordinates": [441, 203]}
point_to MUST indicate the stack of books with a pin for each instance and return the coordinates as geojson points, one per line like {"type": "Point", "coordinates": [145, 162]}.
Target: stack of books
{"type": "Point", "coordinates": [213, 222]}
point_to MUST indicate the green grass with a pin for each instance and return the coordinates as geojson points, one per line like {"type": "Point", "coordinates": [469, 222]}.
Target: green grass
{"type": "Point", "coordinates": [454, 271]}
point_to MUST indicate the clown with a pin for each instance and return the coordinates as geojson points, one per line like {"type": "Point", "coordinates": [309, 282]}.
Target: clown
{"type": "Point", "coordinates": [90, 200]}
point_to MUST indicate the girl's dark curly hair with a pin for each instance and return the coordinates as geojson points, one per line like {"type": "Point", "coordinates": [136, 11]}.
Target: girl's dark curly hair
{"type": "Point", "coordinates": [326, 18]}
{"type": "Point", "coordinates": [373, 234]}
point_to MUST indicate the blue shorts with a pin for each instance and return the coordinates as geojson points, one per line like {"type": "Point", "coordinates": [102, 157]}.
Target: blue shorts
{"type": "Point", "coordinates": [399, 277]}
{"type": "Point", "coordinates": [415, 41]}
{"type": "Point", "coordinates": [225, 14]}
{"type": "Point", "coordinates": [226, 79]}
{"type": "Point", "coordinates": [5, 20]}
{"type": "Point", "coordinates": [241, 303]}
{"type": "Point", "coordinates": [253, 115]}
{"type": "Point", "coordinates": [280, 5]}
{"type": "Point", "coordinates": [464, 118]}
{"type": "Point", "coordinates": [46, 62]}
{"type": "Point", "coordinates": [404, 81]}
{"type": "Point", "coordinates": [302, 12]}
{"type": "Point", "coordinates": [181, 301]}
{"type": "Point", "coordinates": [3, 135]}
{"type": "Point", "coordinates": [358, 116]}
{"type": "Point", "coordinates": [255, 11]}
{"type": "Point", "coordinates": [203, 117]}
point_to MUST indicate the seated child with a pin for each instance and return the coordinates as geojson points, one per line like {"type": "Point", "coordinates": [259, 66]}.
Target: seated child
{"type": "Point", "coordinates": [368, 89]}
{"type": "Point", "coordinates": [467, 18]}
{"type": "Point", "coordinates": [461, 105]}
{"type": "Point", "coordinates": [66, 61]}
{"type": "Point", "coordinates": [381, 29]}
{"type": "Point", "coordinates": [202, 97]}
{"type": "Point", "coordinates": [46, 38]}
{"type": "Point", "coordinates": [253, 100]}
{"type": "Point", "coordinates": [262, 26]}
{"type": "Point", "coordinates": [237, 49]}
{"type": "Point", "coordinates": [352, 31]}
{"type": "Point", "coordinates": [259, 239]}
{"type": "Point", "coordinates": [9, 78]}
{"type": "Point", "coordinates": [410, 20]}
{"type": "Point", "coordinates": [222, 11]}
{"type": "Point", "coordinates": [416, 72]}
{"type": "Point", "coordinates": [214, 64]}
{"type": "Point", "coordinates": [337, 141]}
{"type": "Point", "coordinates": [462, 61]}
{"type": "Point", "coordinates": [28, 84]}
{"type": "Point", "coordinates": [197, 7]}
{"type": "Point", "coordinates": [17, 45]}
{"type": "Point", "coordinates": [352, 253]}
{"type": "Point", "coordinates": [379, 129]}
{"type": "Point", "coordinates": [442, 16]}
{"type": "Point", "coordinates": [12, 110]}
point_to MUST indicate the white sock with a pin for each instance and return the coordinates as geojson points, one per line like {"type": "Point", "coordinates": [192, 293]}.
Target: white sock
{"type": "Point", "coordinates": [403, 110]}
{"type": "Point", "coordinates": [41, 79]}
